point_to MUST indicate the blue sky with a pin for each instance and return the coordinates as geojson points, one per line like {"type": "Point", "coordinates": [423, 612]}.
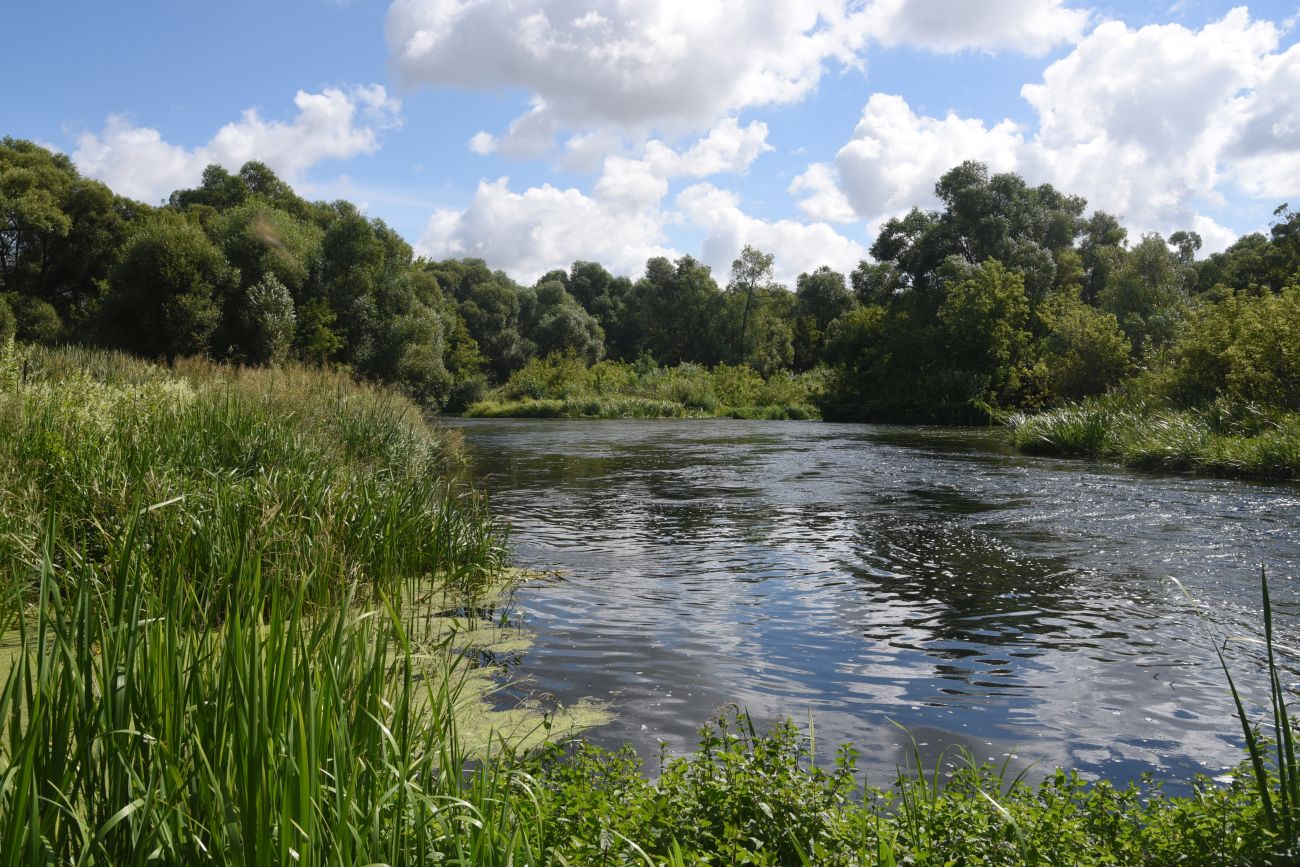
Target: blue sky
{"type": "Point", "coordinates": [535, 132]}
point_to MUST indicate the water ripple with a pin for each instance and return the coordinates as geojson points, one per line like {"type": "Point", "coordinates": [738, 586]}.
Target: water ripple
{"type": "Point", "coordinates": [1002, 603]}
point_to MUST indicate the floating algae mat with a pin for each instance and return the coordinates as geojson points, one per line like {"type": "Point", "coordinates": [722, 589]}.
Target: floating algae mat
{"type": "Point", "coordinates": [482, 632]}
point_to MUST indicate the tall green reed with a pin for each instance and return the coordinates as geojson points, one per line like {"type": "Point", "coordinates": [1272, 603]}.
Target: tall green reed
{"type": "Point", "coordinates": [1276, 774]}
{"type": "Point", "coordinates": [145, 720]}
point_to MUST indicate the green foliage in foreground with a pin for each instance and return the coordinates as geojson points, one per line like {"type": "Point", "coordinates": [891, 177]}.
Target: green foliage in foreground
{"type": "Point", "coordinates": [218, 645]}
{"type": "Point", "coordinates": [749, 798]}
{"type": "Point", "coordinates": [344, 483]}
{"type": "Point", "coordinates": [562, 386]}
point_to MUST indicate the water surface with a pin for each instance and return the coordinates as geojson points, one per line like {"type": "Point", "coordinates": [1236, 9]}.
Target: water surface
{"type": "Point", "coordinates": [1015, 606]}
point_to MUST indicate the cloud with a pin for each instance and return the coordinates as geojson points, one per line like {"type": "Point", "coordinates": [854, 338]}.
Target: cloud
{"type": "Point", "coordinates": [895, 157]}
{"type": "Point", "coordinates": [1140, 121]}
{"type": "Point", "coordinates": [728, 147]}
{"type": "Point", "coordinates": [530, 233]}
{"type": "Point", "coordinates": [334, 124]}
{"type": "Point", "coordinates": [1265, 153]}
{"type": "Point", "coordinates": [825, 200]}
{"type": "Point", "coordinates": [1023, 26]}
{"type": "Point", "coordinates": [1153, 124]}
{"type": "Point", "coordinates": [483, 143]}
{"type": "Point", "coordinates": [796, 246]}
{"type": "Point", "coordinates": [623, 221]}
{"type": "Point", "coordinates": [672, 65]}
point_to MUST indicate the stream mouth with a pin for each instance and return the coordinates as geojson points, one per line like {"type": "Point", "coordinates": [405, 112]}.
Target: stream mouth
{"type": "Point", "coordinates": [891, 584]}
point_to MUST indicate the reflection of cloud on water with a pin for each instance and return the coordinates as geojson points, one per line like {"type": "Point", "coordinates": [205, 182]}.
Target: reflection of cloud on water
{"type": "Point", "coordinates": [1003, 600]}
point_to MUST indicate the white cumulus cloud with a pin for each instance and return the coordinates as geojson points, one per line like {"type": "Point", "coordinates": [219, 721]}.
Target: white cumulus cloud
{"type": "Point", "coordinates": [1155, 124]}
{"type": "Point", "coordinates": [796, 246]}
{"type": "Point", "coordinates": [1023, 26]}
{"type": "Point", "coordinates": [621, 223]}
{"type": "Point", "coordinates": [895, 157]}
{"type": "Point", "coordinates": [1264, 155]}
{"type": "Point", "coordinates": [654, 64]}
{"type": "Point", "coordinates": [530, 233]}
{"type": "Point", "coordinates": [483, 143]}
{"type": "Point", "coordinates": [824, 200]}
{"type": "Point", "coordinates": [333, 124]}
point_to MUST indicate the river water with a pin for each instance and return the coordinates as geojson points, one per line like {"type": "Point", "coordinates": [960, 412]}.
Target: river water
{"type": "Point", "coordinates": [861, 576]}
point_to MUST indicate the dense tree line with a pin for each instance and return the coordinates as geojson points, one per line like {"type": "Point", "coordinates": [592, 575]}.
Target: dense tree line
{"type": "Point", "coordinates": [1009, 296]}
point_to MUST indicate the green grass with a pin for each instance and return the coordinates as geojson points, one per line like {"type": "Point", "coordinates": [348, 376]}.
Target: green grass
{"type": "Point", "coordinates": [1247, 443]}
{"type": "Point", "coordinates": [221, 643]}
{"type": "Point", "coordinates": [564, 387]}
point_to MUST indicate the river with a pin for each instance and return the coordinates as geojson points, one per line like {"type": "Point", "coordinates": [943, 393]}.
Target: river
{"type": "Point", "coordinates": [872, 578]}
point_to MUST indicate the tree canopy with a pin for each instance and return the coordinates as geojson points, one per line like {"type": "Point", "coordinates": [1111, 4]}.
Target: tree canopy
{"type": "Point", "coordinates": [1006, 296]}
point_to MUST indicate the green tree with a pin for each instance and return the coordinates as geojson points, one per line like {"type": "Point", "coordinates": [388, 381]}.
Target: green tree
{"type": "Point", "coordinates": [1243, 348]}
{"type": "Point", "coordinates": [37, 321]}
{"type": "Point", "coordinates": [553, 321]}
{"type": "Point", "coordinates": [984, 216]}
{"type": "Point", "coordinates": [770, 344]}
{"type": "Point", "coordinates": [751, 277]}
{"type": "Point", "coordinates": [1146, 289]}
{"type": "Point", "coordinates": [489, 304]}
{"type": "Point", "coordinates": [1084, 351]}
{"type": "Point", "coordinates": [1099, 249]}
{"type": "Point", "coordinates": [166, 289]}
{"type": "Point", "coordinates": [33, 183]}
{"type": "Point", "coordinates": [269, 321]}
{"type": "Point", "coordinates": [604, 296]}
{"type": "Point", "coordinates": [317, 339]}
{"type": "Point", "coordinates": [820, 298]}
{"type": "Point", "coordinates": [674, 312]}
{"type": "Point", "coordinates": [260, 240]}
{"type": "Point", "coordinates": [984, 321]}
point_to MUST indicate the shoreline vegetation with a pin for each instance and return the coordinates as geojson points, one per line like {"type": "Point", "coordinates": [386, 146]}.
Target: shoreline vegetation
{"type": "Point", "coordinates": [243, 622]}
{"type": "Point", "coordinates": [565, 387]}
{"type": "Point", "coordinates": [1165, 439]}
{"type": "Point", "coordinates": [1005, 300]}
{"type": "Point", "coordinates": [245, 617]}
{"type": "Point", "coordinates": [1223, 397]}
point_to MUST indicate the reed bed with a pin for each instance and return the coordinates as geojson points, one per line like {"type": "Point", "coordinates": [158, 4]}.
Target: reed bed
{"type": "Point", "coordinates": [1247, 443]}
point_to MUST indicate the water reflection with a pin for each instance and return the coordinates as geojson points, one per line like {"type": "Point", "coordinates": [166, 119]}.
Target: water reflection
{"type": "Point", "coordinates": [1008, 604]}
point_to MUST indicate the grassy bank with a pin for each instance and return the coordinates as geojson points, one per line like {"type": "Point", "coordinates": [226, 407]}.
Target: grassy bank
{"type": "Point", "coordinates": [222, 617]}
{"type": "Point", "coordinates": [1263, 445]}
{"type": "Point", "coordinates": [1223, 398]}
{"type": "Point", "coordinates": [565, 387]}
{"type": "Point", "coordinates": [229, 630]}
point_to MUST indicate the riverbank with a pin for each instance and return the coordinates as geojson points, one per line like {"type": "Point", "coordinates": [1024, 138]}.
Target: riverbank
{"type": "Point", "coordinates": [1223, 398]}
{"type": "Point", "coordinates": [244, 619]}
{"type": "Point", "coordinates": [1259, 445]}
{"type": "Point", "coordinates": [564, 387]}
{"type": "Point", "coordinates": [236, 606]}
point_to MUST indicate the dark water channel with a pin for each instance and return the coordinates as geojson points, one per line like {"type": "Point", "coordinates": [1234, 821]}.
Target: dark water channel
{"type": "Point", "coordinates": [1017, 606]}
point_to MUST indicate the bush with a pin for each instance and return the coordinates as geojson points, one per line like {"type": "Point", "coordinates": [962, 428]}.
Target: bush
{"type": "Point", "coordinates": [8, 324]}
{"type": "Point", "coordinates": [1243, 348]}
{"type": "Point", "coordinates": [563, 386]}
{"type": "Point", "coordinates": [269, 321]}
